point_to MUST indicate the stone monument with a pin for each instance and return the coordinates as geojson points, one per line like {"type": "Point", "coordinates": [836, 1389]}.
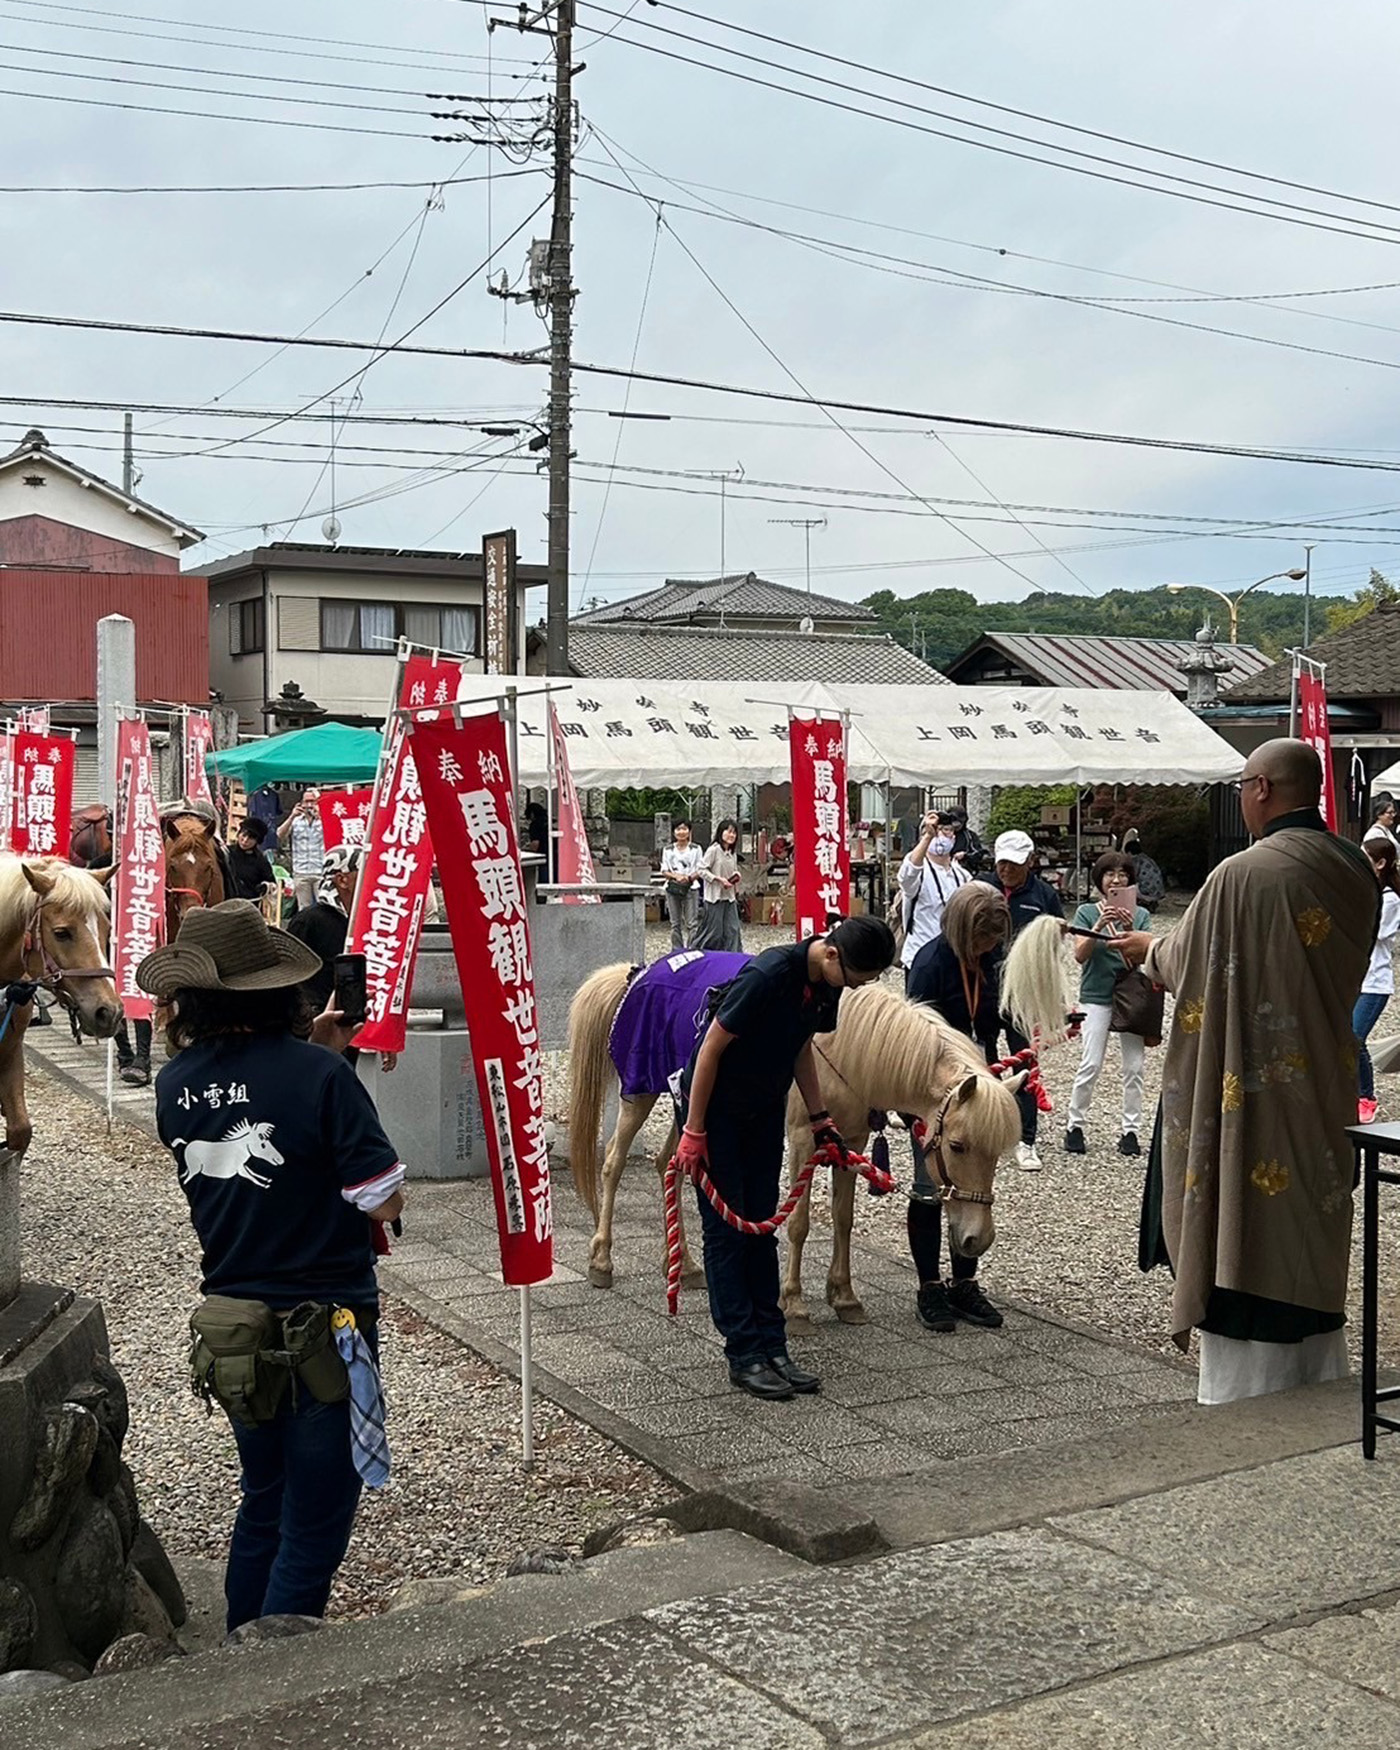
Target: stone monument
{"type": "Point", "coordinates": [1203, 666]}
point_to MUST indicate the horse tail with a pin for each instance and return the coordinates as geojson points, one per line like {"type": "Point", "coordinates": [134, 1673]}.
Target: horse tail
{"type": "Point", "coordinates": [590, 1020]}
{"type": "Point", "coordinates": [1033, 990]}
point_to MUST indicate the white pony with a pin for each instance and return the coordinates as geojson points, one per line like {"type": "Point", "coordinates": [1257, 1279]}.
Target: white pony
{"type": "Point", "coordinates": [229, 1158]}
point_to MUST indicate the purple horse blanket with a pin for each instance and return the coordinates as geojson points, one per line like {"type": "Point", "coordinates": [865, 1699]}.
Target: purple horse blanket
{"type": "Point", "coordinates": [662, 1014]}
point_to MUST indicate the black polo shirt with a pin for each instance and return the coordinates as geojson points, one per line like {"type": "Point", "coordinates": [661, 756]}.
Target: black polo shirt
{"type": "Point", "coordinates": [1034, 898]}
{"type": "Point", "coordinates": [772, 1009]}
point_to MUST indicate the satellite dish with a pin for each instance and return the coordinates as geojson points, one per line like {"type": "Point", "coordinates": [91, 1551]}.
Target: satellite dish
{"type": "Point", "coordinates": [331, 529]}
{"type": "Point", "coordinates": [805, 624]}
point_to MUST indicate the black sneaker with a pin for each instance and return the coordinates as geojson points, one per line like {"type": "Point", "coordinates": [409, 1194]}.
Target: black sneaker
{"type": "Point", "coordinates": [968, 1302]}
{"type": "Point", "coordinates": [935, 1314]}
{"type": "Point", "coordinates": [1128, 1143]}
{"type": "Point", "coordinates": [1074, 1141]}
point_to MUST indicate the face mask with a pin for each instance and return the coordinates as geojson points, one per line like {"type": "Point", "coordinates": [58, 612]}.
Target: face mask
{"type": "Point", "coordinates": [941, 846]}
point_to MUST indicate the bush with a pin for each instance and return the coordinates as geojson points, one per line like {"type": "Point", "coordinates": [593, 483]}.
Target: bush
{"type": "Point", "coordinates": [1174, 824]}
{"type": "Point", "coordinates": [1017, 808]}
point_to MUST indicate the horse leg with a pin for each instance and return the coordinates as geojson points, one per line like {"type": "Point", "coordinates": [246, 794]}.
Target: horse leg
{"type": "Point", "coordinates": [692, 1274]}
{"type": "Point", "coordinates": [631, 1116]}
{"type": "Point", "coordinates": [799, 1322]}
{"type": "Point", "coordinates": [840, 1294]}
{"type": "Point", "coordinates": [13, 1109]}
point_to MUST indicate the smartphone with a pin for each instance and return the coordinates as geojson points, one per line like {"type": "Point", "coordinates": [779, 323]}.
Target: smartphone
{"type": "Point", "coordinates": [349, 993]}
{"type": "Point", "coordinates": [1124, 899]}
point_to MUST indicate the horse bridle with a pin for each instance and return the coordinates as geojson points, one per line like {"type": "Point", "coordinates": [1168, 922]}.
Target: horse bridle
{"type": "Point", "coordinates": [931, 1142]}
{"type": "Point", "coordinates": [54, 976]}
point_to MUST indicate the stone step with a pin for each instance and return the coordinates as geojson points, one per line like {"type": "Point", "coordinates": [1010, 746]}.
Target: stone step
{"type": "Point", "coordinates": [185, 1700]}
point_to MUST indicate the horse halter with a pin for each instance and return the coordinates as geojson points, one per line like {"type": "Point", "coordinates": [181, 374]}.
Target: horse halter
{"type": "Point", "coordinates": [53, 976]}
{"type": "Point", "coordinates": [931, 1141]}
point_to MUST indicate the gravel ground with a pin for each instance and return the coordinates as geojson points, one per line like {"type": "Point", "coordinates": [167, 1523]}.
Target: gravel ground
{"type": "Point", "coordinates": [1067, 1236]}
{"type": "Point", "coordinates": [106, 1215]}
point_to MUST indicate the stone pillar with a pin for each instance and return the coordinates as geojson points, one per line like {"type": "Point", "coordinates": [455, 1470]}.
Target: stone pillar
{"type": "Point", "coordinates": [116, 691]}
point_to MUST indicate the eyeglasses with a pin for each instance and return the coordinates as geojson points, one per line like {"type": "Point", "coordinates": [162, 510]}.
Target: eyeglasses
{"type": "Point", "coordinates": [1251, 778]}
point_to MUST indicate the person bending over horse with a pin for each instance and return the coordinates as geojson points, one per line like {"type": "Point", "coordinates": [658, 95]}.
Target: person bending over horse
{"type": "Point", "coordinates": [287, 1172]}
{"type": "Point", "coordinates": [732, 1108]}
{"type": "Point", "coordinates": [959, 974]}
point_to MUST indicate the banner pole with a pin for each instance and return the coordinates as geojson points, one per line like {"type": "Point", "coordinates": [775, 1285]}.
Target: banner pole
{"type": "Point", "coordinates": [527, 1385]}
{"type": "Point", "coordinates": [111, 1079]}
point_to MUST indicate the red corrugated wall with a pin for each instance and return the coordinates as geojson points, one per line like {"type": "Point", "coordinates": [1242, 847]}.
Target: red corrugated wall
{"type": "Point", "coordinates": [48, 633]}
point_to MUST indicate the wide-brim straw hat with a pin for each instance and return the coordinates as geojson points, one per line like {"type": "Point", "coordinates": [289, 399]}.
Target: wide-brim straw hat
{"type": "Point", "coordinates": [227, 947]}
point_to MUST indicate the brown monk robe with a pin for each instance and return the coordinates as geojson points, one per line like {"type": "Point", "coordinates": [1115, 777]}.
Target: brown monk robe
{"type": "Point", "coordinates": [1258, 1087]}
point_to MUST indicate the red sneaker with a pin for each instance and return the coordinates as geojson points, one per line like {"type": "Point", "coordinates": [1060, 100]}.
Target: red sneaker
{"type": "Point", "coordinates": [1366, 1111]}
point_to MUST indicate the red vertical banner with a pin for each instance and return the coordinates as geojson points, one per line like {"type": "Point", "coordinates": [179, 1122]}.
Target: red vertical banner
{"type": "Point", "coordinates": [138, 901]}
{"type": "Point", "coordinates": [345, 816]}
{"type": "Point", "coordinates": [386, 920]}
{"type": "Point", "coordinates": [821, 856]}
{"type": "Point", "coordinates": [575, 857]}
{"type": "Point", "coordinates": [196, 738]}
{"type": "Point", "coordinates": [467, 784]}
{"type": "Point", "coordinates": [7, 788]}
{"type": "Point", "coordinates": [35, 719]}
{"type": "Point", "coordinates": [1314, 728]}
{"type": "Point", "coordinates": [42, 795]}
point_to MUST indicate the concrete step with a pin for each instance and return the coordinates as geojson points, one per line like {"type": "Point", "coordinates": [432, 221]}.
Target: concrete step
{"type": "Point", "coordinates": [185, 1702]}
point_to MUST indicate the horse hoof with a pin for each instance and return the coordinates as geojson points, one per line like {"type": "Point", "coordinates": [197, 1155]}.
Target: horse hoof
{"type": "Point", "coordinates": [693, 1279]}
{"type": "Point", "coordinates": [599, 1277]}
{"type": "Point", "coordinates": [852, 1315]}
{"type": "Point", "coordinates": [799, 1325]}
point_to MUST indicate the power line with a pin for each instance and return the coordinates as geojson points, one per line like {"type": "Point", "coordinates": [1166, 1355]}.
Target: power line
{"type": "Point", "coordinates": [253, 187]}
{"type": "Point", "coordinates": [917, 416]}
{"type": "Point", "coordinates": [205, 115]}
{"type": "Point", "coordinates": [1347, 227]}
{"type": "Point", "coordinates": [1001, 108]}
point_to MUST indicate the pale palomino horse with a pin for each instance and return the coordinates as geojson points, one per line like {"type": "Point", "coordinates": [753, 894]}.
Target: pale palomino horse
{"type": "Point", "coordinates": [53, 932]}
{"type": "Point", "coordinates": [887, 1054]}
{"type": "Point", "coordinates": [231, 1155]}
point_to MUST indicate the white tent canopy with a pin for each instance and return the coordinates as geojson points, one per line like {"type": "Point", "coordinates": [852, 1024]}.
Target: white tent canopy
{"type": "Point", "coordinates": [622, 732]}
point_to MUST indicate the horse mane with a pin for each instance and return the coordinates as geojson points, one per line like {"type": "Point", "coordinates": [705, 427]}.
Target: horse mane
{"type": "Point", "coordinates": [1033, 989]}
{"type": "Point", "coordinates": [236, 1132]}
{"type": "Point", "coordinates": [884, 1040]}
{"type": "Point", "coordinates": [73, 889]}
{"type": "Point", "coordinates": [192, 842]}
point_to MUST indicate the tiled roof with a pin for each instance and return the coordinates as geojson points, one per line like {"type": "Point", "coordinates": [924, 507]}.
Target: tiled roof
{"type": "Point", "coordinates": [1132, 663]}
{"type": "Point", "coordinates": [709, 653]}
{"type": "Point", "coordinates": [745, 596]}
{"type": "Point", "coordinates": [1363, 662]}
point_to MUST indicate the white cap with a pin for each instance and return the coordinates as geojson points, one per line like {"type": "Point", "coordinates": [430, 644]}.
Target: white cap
{"type": "Point", "coordinates": [1013, 847]}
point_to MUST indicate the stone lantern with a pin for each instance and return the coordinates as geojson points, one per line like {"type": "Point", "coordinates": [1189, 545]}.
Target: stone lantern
{"type": "Point", "coordinates": [1203, 666]}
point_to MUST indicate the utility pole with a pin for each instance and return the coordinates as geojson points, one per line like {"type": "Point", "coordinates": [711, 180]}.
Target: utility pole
{"type": "Point", "coordinates": [128, 459]}
{"type": "Point", "coordinates": [1307, 594]}
{"type": "Point", "coordinates": [561, 330]}
{"type": "Point", "coordinates": [806, 524]}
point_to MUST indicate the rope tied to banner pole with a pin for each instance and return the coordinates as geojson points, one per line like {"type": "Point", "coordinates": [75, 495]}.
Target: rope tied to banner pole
{"type": "Point", "coordinates": [828, 1155]}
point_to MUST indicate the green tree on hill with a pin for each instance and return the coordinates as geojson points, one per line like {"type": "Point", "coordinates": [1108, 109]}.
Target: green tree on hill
{"type": "Point", "coordinates": [1377, 589]}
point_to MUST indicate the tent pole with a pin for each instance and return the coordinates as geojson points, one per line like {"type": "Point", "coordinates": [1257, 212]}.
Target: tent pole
{"type": "Point", "coordinates": [527, 1385]}
{"type": "Point", "coordinates": [1079, 845]}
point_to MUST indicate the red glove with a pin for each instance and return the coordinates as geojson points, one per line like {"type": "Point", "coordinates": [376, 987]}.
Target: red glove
{"type": "Point", "coordinates": [691, 1150]}
{"type": "Point", "coordinates": [826, 1135]}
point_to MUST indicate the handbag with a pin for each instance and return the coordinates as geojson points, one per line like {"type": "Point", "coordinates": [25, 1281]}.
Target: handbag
{"type": "Point", "coordinates": [1139, 1006]}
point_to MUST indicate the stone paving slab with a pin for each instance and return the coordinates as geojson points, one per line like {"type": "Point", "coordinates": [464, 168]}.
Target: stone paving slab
{"type": "Point", "coordinates": [1363, 1648]}
{"type": "Point", "coordinates": [896, 1399]}
{"type": "Point", "coordinates": [926, 1635]}
{"type": "Point", "coordinates": [1230, 1698]}
{"type": "Point", "coordinates": [1310, 1532]}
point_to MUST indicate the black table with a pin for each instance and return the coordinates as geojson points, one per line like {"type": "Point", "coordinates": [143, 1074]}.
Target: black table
{"type": "Point", "coordinates": [1371, 1142]}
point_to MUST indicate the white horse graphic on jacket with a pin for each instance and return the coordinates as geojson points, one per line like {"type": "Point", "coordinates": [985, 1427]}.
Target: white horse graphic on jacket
{"type": "Point", "coordinates": [229, 1157]}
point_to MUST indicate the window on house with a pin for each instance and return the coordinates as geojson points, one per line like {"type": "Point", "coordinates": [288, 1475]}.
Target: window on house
{"type": "Point", "coordinates": [373, 628]}
{"type": "Point", "coordinates": [247, 627]}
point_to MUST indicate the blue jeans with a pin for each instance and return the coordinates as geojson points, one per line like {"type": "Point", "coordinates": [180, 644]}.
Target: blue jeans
{"type": "Point", "coordinates": [1369, 1009]}
{"type": "Point", "coordinates": [300, 1491]}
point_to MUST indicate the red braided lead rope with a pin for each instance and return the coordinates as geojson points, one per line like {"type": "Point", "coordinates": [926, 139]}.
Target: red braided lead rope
{"type": "Point", "coordinates": [828, 1155]}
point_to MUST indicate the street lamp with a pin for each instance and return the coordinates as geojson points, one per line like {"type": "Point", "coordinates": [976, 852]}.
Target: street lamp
{"type": "Point", "coordinates": [1232, 602]}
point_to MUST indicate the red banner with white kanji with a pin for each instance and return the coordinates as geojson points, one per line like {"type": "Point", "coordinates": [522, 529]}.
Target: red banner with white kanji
{"type": "Point", "coordinates": [821, 857]}
{"type": "Point", "coordinates": [42, 795]}
{"type": "Point", "coordinates": [345, 816]}
{"type": "Point", "coordinates": [7, 787]}
{"type": "Point", "coordinates": [196, 738]}
{"type": "Point", "coordinates": [1313, 728]}
{"type": "Point", "coordinates": [138, 893]}
{"type": "Point", "coordinates": [575, 860]}
{"type": "Point", "coordinates": [465, 772]}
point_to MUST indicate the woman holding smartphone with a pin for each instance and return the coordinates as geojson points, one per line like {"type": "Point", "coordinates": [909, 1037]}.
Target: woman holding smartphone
{"type": "Point", "coordinates": [1116, 912]}
{"type": "Point", "coordinates": [719, 914]}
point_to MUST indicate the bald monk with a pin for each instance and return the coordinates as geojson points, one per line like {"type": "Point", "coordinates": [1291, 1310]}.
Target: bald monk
{"type": "Point", "coordinates": [1249, 1185]}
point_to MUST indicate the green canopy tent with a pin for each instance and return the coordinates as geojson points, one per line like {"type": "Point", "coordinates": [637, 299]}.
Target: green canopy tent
{"type": "Point", "coordinates": [328, 753]}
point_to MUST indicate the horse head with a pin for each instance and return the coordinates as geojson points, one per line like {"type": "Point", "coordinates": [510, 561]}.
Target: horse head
{"type": "Point", "coordinates": [260, 1144]}
{"type": "Point", "coordinates": [66, 943]}
{"type": "Point", "coordinates": [192, 875]}
{"type": "Point", "coordinates": [972, 1125]}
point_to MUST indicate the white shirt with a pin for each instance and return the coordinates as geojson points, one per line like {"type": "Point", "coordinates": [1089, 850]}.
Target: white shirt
{"type": "Point", "coordinates": [930, 888]}
{"type": "Point", "coordinates": [681, 862]}
{"type": "Point", "coordinates": [1377, 831]}
{"type": "Point", "coordinates": [308, 845]}
{"type": "Point", "coordinates": [1380, 976]}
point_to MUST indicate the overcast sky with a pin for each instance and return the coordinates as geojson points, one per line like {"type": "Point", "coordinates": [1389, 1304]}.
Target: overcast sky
{"type": "Point", "coordinates": [1290, 90]}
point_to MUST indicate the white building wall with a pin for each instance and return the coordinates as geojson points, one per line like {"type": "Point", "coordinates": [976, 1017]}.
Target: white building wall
{"type": "Point", "coordinates": [63, 500]}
